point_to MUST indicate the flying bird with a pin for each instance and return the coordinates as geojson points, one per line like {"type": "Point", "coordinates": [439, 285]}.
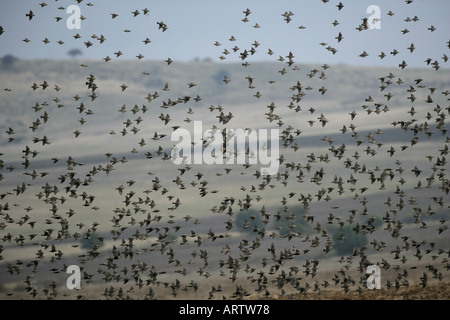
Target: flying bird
{"type": "Point", "coordinates": [30, 15]}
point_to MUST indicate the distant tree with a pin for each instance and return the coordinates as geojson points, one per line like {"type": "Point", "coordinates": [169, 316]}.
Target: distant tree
{"type": "Point", "coordinates": [293, 221]}
{"type": "Point", "coordinates": [377, 222]}
{"type": "Point", "coordinates": [74, 52]}
{"type": "Point", "coordinates": [346, 239]}
{"type": "Point", "coordinates": [219, 76]}
{"type": "Point", "coordinates": [168, 237]}
{"type": "Point", "coordinates": [249, 221]}
{"type": "Point", "coordinates": [8, 60]}
{"type": "Point", "coordinates": [90, 240]}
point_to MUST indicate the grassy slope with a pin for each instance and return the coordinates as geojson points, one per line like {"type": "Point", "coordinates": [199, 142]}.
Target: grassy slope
{"type": "Point", "coordinates": [347, 90]}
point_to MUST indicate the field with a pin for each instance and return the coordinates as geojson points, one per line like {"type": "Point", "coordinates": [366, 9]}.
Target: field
{"type": "Point", "coordinates": [110, 200]}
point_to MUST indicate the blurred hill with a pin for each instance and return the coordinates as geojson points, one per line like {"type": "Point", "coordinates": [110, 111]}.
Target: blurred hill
{"type": "Point", "coordinates": [347, 86]}
{"type": "Point", "coordinates": [124, 124]}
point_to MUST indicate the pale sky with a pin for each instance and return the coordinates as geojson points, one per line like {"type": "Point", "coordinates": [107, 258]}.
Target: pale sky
{"type": "Point", "coordinates": [194, 26]}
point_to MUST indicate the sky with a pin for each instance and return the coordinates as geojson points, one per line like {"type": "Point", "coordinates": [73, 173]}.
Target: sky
{"type": "Point", "coordinates": [194, 26]}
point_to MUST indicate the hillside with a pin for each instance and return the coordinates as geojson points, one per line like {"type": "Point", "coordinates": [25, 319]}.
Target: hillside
{"type": "Point", "coordinates": [106, 169]}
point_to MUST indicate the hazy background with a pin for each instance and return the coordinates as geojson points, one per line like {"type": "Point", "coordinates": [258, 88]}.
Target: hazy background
{"type": "Point", "coordinates": [194, 27]}
{"type": "Point", "coordinates": [419, 202]}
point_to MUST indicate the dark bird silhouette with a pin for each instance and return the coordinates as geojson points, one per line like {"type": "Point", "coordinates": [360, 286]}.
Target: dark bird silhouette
{"type": "Point", "coordinates": [30, 15]}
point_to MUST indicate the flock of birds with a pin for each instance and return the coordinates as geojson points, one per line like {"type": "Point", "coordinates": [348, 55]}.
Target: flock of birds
{"type": "Point", "coordinates": [123, 267]}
